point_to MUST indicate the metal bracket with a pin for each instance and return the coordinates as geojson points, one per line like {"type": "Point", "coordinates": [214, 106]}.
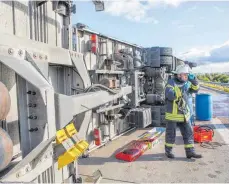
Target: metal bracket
{"type": "Point", "coordinates": [83, 102]}
{"type": "Point", "coordinates": [14, 58]}
{"type": "Point", "coordinates": [36, 162]}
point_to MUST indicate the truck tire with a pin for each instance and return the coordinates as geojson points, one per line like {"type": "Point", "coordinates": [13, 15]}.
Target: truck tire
{"type": "Point", "coordinates": [159, 84]}
{"type": "Point", "coordinates": [166, 60]}
{"type": "Point", "coordinates": [166, 51]}
{"type": "Point", "coordinates": [155, 72]}
{"type": "Point", "coordinates": [154, 99]}
{"type": "Point", "coordinates": [179, 62]}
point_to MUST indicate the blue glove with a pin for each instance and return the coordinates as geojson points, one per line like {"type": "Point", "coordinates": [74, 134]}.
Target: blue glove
{"type": "Point", "coordinates": [191, 76]}
{"type": "Point", "coordinates": [187, 85]}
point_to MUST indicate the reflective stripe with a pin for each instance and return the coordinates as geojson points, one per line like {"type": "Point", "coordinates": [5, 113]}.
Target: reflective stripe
{"type": "Point", "coordinates": [189, 145]}
{"type": "Point", "coordinates": [177, 117]}
{"type": "Point", "coordinates": [169, 145]}
{"type": "Point", "coordinates": [194, 87]}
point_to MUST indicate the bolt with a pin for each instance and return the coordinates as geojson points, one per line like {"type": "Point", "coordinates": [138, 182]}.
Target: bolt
{"type": "Point", "coordinates": [18, 175]}
{"type": "Point", "coordinates": [32, 117]}
{"type": "Point", "coordinates": [20, 52]}
{"type": "Point", "coordinates": [40, 56]}
{"type": "Point", "coordinates": [34, 55]}
{"type": "Point", "coordinates": [10, 51]}
{"type": "Point", "coordinates": [29, 92]}
{"type": "Point", "coordinates": [33, 129]}
{"type": "Point", "coordinates": [46, 57]}
{"type": "Point", "coordinates": [34, 93]}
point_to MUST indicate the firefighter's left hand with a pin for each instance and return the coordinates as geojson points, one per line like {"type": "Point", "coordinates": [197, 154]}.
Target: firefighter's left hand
{"type": "Point", "coordinates": [191, 77]}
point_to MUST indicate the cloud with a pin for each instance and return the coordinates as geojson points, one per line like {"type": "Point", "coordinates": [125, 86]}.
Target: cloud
{"type": "Point", "coordinates": [136, 10]}
{"type": "Point", "coordinates": [180, 25]}
{"type": "Point", "coordinates": [192, 8]}
{"type": "Point", "coordinates": [214, 54]}
{"type": "Point", "coordinates": [132, 10]}
{"type": "Point", "coordinates": [218, 9]}
{"type": "Point", "coordinates": [212, 68]}
{"type": "Point", "coordinates": [186, 26]}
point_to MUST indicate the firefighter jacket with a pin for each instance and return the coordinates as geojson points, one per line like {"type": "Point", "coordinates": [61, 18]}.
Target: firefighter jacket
{"type": "Point", "coordinates": [176, 97]}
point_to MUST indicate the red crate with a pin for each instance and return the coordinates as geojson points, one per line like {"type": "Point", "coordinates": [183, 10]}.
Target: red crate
{"type": "Point", "coordinates": [203, 134]}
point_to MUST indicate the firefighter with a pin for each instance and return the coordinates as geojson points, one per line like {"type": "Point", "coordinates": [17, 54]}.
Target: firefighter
{"type": "Point", "coordinates": [177, 111]}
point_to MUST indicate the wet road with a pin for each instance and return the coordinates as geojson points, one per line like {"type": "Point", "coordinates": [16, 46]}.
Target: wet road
{"type": "Point", "coordinates": [220, 103]}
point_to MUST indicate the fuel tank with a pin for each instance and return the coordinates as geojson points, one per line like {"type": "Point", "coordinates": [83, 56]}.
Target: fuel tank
{"type": "Point", "coordinates": [6, 144]}
{"type": "Point", "coordinates": [6, 149]}
{"type": "Point", "coordinates": [4, 101]}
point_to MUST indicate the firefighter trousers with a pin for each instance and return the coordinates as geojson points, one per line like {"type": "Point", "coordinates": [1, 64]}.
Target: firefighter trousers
{"type": "Point", "coordinates": [186, 132]}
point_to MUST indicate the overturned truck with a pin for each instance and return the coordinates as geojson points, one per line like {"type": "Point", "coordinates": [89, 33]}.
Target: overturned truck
{"type": "Point", "coordinates": [66, 90]}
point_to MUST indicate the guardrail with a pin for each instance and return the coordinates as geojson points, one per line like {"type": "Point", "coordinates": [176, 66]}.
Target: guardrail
{"type": "Point", "coordinates": [216, 86]}
{"type": "Point", "coordinates": [217, 83]}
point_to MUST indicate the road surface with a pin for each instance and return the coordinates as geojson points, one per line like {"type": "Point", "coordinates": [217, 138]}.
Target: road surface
{"type": "Point", "coordinates": [153, 166]}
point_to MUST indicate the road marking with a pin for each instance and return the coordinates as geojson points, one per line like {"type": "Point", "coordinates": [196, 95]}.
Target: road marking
{"type": "Point", "coordinates": [221, 129]}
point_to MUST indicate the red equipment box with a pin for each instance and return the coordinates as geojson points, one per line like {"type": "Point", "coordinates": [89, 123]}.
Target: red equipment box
{"type": "Point", "coordinates": [203, 134]}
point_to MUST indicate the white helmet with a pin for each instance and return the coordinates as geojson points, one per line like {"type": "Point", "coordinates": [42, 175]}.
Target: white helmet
{"type": "Point", "coordinates": [182, 69]}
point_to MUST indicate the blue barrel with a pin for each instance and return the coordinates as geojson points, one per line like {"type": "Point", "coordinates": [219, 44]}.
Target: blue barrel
{"type": "Point", "coordinates": [204, 107]}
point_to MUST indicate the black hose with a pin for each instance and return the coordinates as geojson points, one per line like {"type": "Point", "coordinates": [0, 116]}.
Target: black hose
{"type": "Point", "coordinates": [101, 87]}
{"type": "Point", "coordinates": [211, 145]}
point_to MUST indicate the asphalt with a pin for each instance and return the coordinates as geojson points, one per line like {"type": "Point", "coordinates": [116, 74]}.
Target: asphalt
{"type": "Point", "coordinates": [154, 167]}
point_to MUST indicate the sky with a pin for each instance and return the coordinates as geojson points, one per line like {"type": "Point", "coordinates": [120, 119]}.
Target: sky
{"type": "Point", "coordinates": [196, 30]}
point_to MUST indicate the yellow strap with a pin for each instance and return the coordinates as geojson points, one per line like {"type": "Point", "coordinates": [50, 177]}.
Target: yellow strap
{"type": "Point", "coordinates": [177, 91]}
{"type": "Point", "coordinates": [169, 86]}
{"type": "Point", "coordinates": [175, 107]}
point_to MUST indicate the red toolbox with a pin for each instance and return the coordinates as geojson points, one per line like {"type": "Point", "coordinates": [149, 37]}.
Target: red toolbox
{"type": "Point", "coordinates": [203, 134]}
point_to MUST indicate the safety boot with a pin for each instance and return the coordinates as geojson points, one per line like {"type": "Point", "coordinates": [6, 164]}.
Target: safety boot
{"type": "Point", "coordinates": [169, 155]}
{"type": "Point", "coordinates": [193, 155]}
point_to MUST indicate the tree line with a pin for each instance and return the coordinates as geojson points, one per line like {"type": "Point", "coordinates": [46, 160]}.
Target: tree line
{"type": "Point", "coordinates": [214, 77]}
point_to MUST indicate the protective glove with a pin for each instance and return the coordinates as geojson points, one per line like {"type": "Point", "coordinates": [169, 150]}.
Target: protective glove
{"type": "Point", "coordinates": [191, 77]}
{"type": "Point", "coordinates": [187, 85]}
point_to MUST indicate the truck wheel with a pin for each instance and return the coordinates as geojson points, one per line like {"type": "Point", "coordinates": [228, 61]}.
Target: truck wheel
{"type": "Point", "coordinates": [166, 60]}
{"type": "Point", "coordinates": [166, 51]}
